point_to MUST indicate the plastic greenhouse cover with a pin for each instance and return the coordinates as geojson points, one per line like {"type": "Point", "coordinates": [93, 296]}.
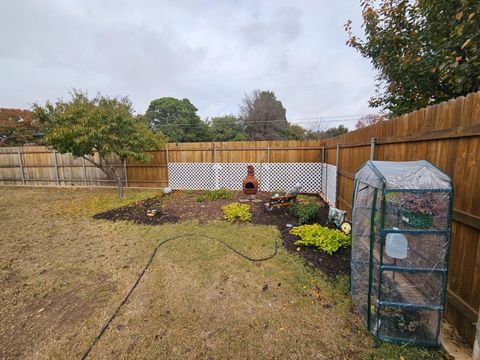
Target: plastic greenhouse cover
{"type": "Point", "coordinates": [403, 175]}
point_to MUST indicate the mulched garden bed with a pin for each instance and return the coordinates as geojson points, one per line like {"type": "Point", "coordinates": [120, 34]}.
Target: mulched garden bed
{"type": "Point", "coordinates": [137, 213]}
{"type": "Point", "coordinates": [182, 205]}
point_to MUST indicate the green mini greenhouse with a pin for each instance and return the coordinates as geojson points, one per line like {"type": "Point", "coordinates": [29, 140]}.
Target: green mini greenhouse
{"type": "Point", "coordinates": [401, 225]}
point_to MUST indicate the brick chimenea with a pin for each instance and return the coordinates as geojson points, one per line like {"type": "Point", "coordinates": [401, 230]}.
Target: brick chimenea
{"type": "Point", "coordinates": [250, 184]}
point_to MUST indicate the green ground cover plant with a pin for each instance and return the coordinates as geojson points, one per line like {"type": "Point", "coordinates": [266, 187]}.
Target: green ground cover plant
{"type": "Point", "coordinates": [323, 238]}
{"type": "Point", "coordinates": [215, 195]}
{"type": "Point", "coordinates": [237, 211]}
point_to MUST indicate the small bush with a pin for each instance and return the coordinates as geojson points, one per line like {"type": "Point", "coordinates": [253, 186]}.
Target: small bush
{"type": "Point", "coordinates": [215, 195]}
{"type": "Point", "coordinates": [323, 238]}
{"type": "Point", "coordinates": [234, 211]}
{"type": "Point", "coordinates": [306, 199]}
{"type": "Point", "coordinates": [305, 212]}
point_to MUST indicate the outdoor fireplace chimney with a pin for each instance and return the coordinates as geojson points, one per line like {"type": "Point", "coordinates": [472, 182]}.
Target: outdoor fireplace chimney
{"type": "Point", "coordinates": [250, 184]}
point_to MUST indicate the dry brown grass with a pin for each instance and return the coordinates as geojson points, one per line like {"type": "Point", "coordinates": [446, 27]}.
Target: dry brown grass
{"type": "Point", "coordinates": [63, 274]}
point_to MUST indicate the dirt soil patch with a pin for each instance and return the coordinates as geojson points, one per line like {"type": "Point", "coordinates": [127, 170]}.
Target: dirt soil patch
{"type": "Point", "coordinates": [137, 213]}
{"type": "Point", "coordinates": [182, 205]}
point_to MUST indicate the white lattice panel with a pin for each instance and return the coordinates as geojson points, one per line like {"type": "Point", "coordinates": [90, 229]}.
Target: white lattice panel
{"type": "Point", "coordinates": [329, 180]}
{"type": "Point", "coordinates": [194, 176]}
{"type": "Point", "coordinates": [231, 175]}
{"type": "Point", "coordinates": [284, 176]}
{"type": "Point", "coordinates": [273, 176]}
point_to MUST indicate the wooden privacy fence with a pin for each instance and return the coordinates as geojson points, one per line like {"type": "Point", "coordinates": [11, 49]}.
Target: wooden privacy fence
{"type": "Point", "coordinates": [39, 165]}
{"type": "Point", "coordinates": [447, 134]}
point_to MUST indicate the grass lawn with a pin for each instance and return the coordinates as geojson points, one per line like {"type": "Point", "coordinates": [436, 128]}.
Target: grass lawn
{"type": "Point", "coordinates": [64, 273]}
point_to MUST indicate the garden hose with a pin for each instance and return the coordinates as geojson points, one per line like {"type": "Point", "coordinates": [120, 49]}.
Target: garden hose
{"type": "Point", "coordinates": [125, 299]}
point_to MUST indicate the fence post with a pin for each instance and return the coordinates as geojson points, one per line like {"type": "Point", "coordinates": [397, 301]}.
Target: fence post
{"type": "Point", "coordinates": [372, 148]}
{"type": "Point", "coordinates": [125, 171]}
{"type": "Point", "coordinates": [322, 160]}
{"type": "Point", "coordinates": [268, 154]}
{"type": "Point", "coordinates": [216, 170]}
{"type": "Point", "coordinates": [20, 161]}
{"type": "Point", "coordinates": [84, 172]}
{"type": "Point", "coordinates": [476, 345]}
{"type": "Point", "coordinates": [56, 167]}
{"type": "Point", "coordinates": [337, 161]}
{"type": "Point", "coordinates": [167, 160]}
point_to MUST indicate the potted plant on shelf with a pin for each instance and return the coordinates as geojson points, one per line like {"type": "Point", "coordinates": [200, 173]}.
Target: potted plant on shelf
{"type": "Point", "coordinates": [418, 209]}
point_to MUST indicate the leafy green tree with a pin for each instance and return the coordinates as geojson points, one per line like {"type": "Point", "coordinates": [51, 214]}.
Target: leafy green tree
{"type": "Point", "coordinates": [425, 51]}
{"type": "Point", "coordinates": [294, 132]}
{"type": "Point", "coordinates": [177, 119]}
{"type": "Point", "coordinates": [264, 116]}
{"type": "Point", "coordinates": [336, 131]}
{"type": "Point", "coordinates": [97, 130]}
{"type": "Point", "coordinates": [227, 128]}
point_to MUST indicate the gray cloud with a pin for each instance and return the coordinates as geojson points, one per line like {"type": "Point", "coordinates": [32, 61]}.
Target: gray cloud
{"type": "Point", "coordinates": [208, 51]}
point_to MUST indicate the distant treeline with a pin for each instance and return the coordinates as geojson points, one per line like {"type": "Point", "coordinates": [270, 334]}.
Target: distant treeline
{"type": "Point", "coordinates": [261, 117]}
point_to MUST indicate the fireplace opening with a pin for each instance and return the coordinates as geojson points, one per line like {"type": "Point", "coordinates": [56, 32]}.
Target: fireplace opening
{"type": "Point", "coordinates": [249, 185]}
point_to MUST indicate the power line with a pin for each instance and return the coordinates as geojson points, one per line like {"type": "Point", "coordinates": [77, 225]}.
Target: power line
{"type": "Point", "coordinates": [319, 120]}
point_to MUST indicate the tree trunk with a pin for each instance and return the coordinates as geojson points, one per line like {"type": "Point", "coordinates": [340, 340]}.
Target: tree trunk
{"type": "Point", "coordinates": [119, 186]}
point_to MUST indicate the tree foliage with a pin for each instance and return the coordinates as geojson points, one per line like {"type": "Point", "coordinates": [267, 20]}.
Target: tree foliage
{"type": "Point", "coordinates": [368, 120]}
{"type": "Point", "coordinates": [177, 119]}
{"type": "Point", "coordinates": [18, 127]}
{"type": "Point", "coordinates": [97, 129]}
{"type": "Point", "coordinates": [295, 132]}
{"type": "Point", "coordinates": [425, 51]}
{"type": "Point", "coordinates": [264, 116]}
{"type": "Point", "coordinates": [227, 128]}
{"type": "Point", "coordinates": [336, 131]}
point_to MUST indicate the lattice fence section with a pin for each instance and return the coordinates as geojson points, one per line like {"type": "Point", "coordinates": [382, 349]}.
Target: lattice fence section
{"type": "Point", "coordinates": [231, 175]}
{"type": "Point", "coordinates": [284, 176]}
{"type": "Point", "coordinates": [329, 183]}
{"type": "Point", "coordinates": [194, 176]}
{"type": "Point", "coordinates": [314, 177]}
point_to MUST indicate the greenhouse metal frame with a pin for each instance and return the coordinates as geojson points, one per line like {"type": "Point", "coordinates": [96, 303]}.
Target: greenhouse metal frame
{"type": "Point", "coordinates": [399, 257]}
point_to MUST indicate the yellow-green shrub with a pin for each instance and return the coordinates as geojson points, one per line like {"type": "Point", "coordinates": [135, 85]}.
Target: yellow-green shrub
{"type": "Point", "coordinates": [323, 238]}
{"type": "Point", "coordinates": [215, 195]}
{"type": "Point", "coordinates": [234, 211]}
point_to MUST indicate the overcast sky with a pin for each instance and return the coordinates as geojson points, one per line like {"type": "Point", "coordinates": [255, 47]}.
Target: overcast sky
{"type": "Point", "coordinates": [210, 52]}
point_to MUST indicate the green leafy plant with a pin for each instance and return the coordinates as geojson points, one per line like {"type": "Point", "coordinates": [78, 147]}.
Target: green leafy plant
{"type": "Point", "coordinates": [234, 211]}
{"type": "Point", "coordinates": [425, 52]}
{"type": "Point", "coordinates": [215, 195]}
{"type": "Point", "coordinates": [98, 130]}
{"type": "Point", "coordinates": [323, 238]}
{"type": "Point", "coordinates": [304, 212]}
